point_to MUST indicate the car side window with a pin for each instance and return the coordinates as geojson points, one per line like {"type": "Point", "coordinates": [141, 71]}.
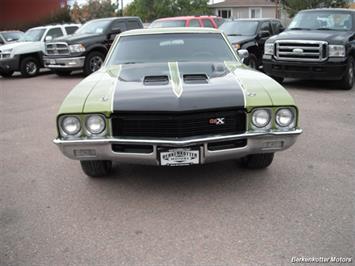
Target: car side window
{"type": "Point", "coordinates": [265, 26]}
{"type": "Point", "coordinates": [131, 24]}
{"type": "Point", "coordinates": [118, 26]}
{"type": "Point", "coordinates": [207, 23]}
{"type": "Point", "coordinates": [276, 27]}
{"type": "Point", "coordinates": [194, 23]}
{"type": "Point", "coordinates": [55, 33]}
{"type": "Point", "coordinates": [1, 40]}
{"type": "Point", "coordinates": [71, 29]}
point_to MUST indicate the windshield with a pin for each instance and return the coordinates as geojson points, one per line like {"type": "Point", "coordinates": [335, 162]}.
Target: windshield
{"type": "Point", "coordinates": [322, 20]}
{"type": "Point", "coordinates": [167, 24]}
{"type": "Point", "coordinates": [183, 47]}
{"type": "Point", "coordinates": [235, 28]}
{"type": "Point", "coordinates": [94, 26]}
{"type": "Point", "coordinates": [32, 35]}
{"type": "Point", "coordinates": [12, 35]}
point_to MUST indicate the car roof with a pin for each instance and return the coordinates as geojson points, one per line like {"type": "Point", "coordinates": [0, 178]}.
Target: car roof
{"type": "Point", "coordinates": [4, 31]}
{"type": "Point", "coordinates": [55, 25]}
{"type": "Point", "coordinates": [168, 30]}
{"type": "Point", "coordinates": [185, 17]}
{"type": "Point", "coordinates": [253, 19]}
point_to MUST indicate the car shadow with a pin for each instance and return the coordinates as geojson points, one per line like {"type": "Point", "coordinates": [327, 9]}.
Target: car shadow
{"type": "Point", "coordinates": [324, 85]}
{"type": "Point", "coordinates": [221, 176]}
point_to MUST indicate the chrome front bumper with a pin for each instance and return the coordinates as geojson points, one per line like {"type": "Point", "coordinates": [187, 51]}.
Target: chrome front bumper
{"type": "Point", "coordinates": [101, 149]}
{"type": "Point", "coordinates": [65, 63]}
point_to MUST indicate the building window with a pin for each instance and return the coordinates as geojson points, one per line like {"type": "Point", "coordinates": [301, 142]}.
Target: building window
{"type": "Point", "coordinates": [255, 12]}
{"type": "Point", "coordinates": [224, 13]}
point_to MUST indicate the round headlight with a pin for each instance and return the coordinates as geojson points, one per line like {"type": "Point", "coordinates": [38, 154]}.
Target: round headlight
{"type": "Point", "coordinates": [71, 125]}
{"type": "Point", "coordinates": [95, 124]}
{"type": "Point", "coordinates": [261, 118]}
{"type": "Point", "coordinates": [284, 117]}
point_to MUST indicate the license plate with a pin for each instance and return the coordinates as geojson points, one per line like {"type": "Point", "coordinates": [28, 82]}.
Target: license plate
{"type": "Point", "coordinates": [179, 156]}
{"type": "Point", "coordinates": [52, 62]}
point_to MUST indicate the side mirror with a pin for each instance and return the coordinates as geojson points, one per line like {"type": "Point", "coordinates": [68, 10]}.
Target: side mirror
{"type": "Point", "coordinates": [48, 38]}
{"type": "Point", "coordinates": [264, 34]}
{"type": "Point", "coordinates": [243, 54]}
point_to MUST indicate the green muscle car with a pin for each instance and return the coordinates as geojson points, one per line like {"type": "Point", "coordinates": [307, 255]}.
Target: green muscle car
{"type": "Point", "coordinates": [175, 97]}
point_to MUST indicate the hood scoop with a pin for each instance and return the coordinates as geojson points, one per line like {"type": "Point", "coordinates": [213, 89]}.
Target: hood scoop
{"type": "Point", "coordinates": [195, 78]}
{"type": "Point", "coordinates": [156, 80]}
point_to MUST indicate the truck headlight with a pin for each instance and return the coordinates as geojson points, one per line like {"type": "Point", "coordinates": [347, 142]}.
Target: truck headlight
{"type": "Point", "coordinates": [261, 118]}
{"type": "Point", "coordinates": [76, 48]}
{"type": "Point", "coordinates": [95, 124]}
{"type": "Point", "coordinates": [7, 53]}
{"type": "Point", "coordinates": [269, 48]}
{"type": "Point", "coordinates": [71, 125]}
{"type": "Point", "coordinates": [285, 117]}
{"type": "Point", "coordinates": [336, 50]}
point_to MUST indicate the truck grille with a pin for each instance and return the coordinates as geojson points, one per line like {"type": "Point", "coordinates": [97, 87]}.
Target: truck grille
{"type": "Point", "coordinates": [301, 50]}
{"type": "Point", "coordinates": [59, 48]}
{"type": "Point", "coordinates": [178, 125]}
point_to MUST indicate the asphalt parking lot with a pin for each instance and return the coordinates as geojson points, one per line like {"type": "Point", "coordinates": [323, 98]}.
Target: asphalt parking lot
{"type": "Point", "coordinates": [216, 214]}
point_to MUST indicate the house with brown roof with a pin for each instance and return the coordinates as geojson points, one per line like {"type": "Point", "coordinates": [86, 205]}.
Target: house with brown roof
{"type": "Point", "coordinates": [246, 9]}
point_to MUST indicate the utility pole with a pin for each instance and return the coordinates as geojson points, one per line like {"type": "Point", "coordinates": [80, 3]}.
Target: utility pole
{"type": "Point", "coordinates": [122, 7]}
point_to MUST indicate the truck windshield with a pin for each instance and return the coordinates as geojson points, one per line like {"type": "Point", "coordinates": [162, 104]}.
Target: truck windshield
{"type": "Point", "coordinates": [167, 24]}
{"type": "Point", "coordinates": [322, 20]}
{"type": "Point", "coordinates": [94, 27]}
{"type": "Point", "coordinates": [236, 28]}
{"type": "Point", "coordinates": [12, 35]}
{"type": "Point", "coordinates": [171, 47]}
{"type": "Point", "coordinates": [32, 35]}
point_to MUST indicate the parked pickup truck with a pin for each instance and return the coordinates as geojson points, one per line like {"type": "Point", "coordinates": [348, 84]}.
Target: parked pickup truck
{"type": "Point", "coordinates": [26, 54]}
{"type": "Point", "coordinates": [251, 34]}
{"type": "Point", "coordinates": [87, 48]}
{"type": "Point", "coordinates": [318, 44]}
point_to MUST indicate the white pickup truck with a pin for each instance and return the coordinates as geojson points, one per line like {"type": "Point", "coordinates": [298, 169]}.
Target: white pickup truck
{"type": "Point", "coordinates": [26, 54]}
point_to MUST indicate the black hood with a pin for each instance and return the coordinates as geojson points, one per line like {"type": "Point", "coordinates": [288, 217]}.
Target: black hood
{"type": "Point", "coordinates": [149, 87]}
{"type": "Point", "coordinates": [330, 36]}
{"type": "Point", "coordinates": [77, 38]}
{"type": "Point", "coordinates": [240, 39]}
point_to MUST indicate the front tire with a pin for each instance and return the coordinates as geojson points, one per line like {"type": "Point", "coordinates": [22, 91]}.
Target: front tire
{"type": "Point", "coordinates": [96, 168]}
{"type": "Point", "coordinates": [29, 67]}
{"type": "Point", "coordinates": [347, 82]}
{"type": "Point", "coordinates": [252, 61]}
{"type": "Point", "coordinates": [93, 62]}
{"type": "Point", "coordinates": [278, 79]}
{"type": "Point", "coordinates": [257, 161]}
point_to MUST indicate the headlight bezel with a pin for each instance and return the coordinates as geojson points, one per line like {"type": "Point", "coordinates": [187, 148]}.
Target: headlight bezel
{"type": "Point", "coordinates": [336, 50]}
{"type": "Point", "coordinates": [7, 54]}
{"type": "Point", "coordinates": [76, 48]}
{"type": "Point", "coordinates": [62, 129]}
{"type": "Point", "coordinates": [265, 125]}
{"type": "Point", "coordinates": [90, 133]}
{"type": "Point", "coordinates": [269, 48]}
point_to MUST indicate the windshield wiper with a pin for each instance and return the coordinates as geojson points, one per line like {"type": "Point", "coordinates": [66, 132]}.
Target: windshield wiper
{"type": "Point", "coordinates": [234, 34]}
{"type": "Point", "coordinates": [297, 28]}
{"type": "Point", "coordinates": [325, 29]}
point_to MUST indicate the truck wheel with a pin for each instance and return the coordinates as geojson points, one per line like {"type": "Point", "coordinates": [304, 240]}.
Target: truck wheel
{"type": "Point", "coordinates": [62, 73]}
{"type": "Point", "coordinates": [278, 79]}
{"type": "Point", "coordinates": [29, 67]}
{"type": "Point", "coordinates": [252, 62]}
{"type": "Point", "coordinates": [93, 62]}
{"type": "Point", "coordinates": [6, 74]}
{"type": "Point", "coordinates": [96, 168]}
{"type": "Point", "coordinates": [347, 81]}
{"type": "Point", "coordinates": [257, 161]}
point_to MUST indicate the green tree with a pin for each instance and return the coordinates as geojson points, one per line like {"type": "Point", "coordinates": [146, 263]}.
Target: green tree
{"type": "Point", "coordinates": [92, 10]}
{"type": "Point", "coordinates": [293, 6]}
{"type": "Point", "coordinates": [149, 10]}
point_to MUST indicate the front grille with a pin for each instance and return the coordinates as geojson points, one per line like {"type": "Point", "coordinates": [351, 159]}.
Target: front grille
{"type": "Point", "coordinates": [59, 48]}
{"type": "Point", "coordinates": [294, 50]}
{"type": "Point", "coordinates": [178, 125]}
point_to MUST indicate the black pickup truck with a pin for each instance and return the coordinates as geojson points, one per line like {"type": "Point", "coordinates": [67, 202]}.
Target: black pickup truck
{"type": "Point", "coordinates": [251, 34]}
{"type": "Point", "coordinates": [318, 44]}
{"type": "Point", "coordinates": [87, 48]}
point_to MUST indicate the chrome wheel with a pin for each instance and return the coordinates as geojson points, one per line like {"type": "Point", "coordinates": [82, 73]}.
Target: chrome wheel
{"type": "Point", "coordinates": [31, 68]}
{"type": "Point", "coordinates": [95, 63]}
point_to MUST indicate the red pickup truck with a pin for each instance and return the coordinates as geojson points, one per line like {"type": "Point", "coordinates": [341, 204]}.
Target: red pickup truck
{"type": "Point", "coordinates": [188, 21]}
